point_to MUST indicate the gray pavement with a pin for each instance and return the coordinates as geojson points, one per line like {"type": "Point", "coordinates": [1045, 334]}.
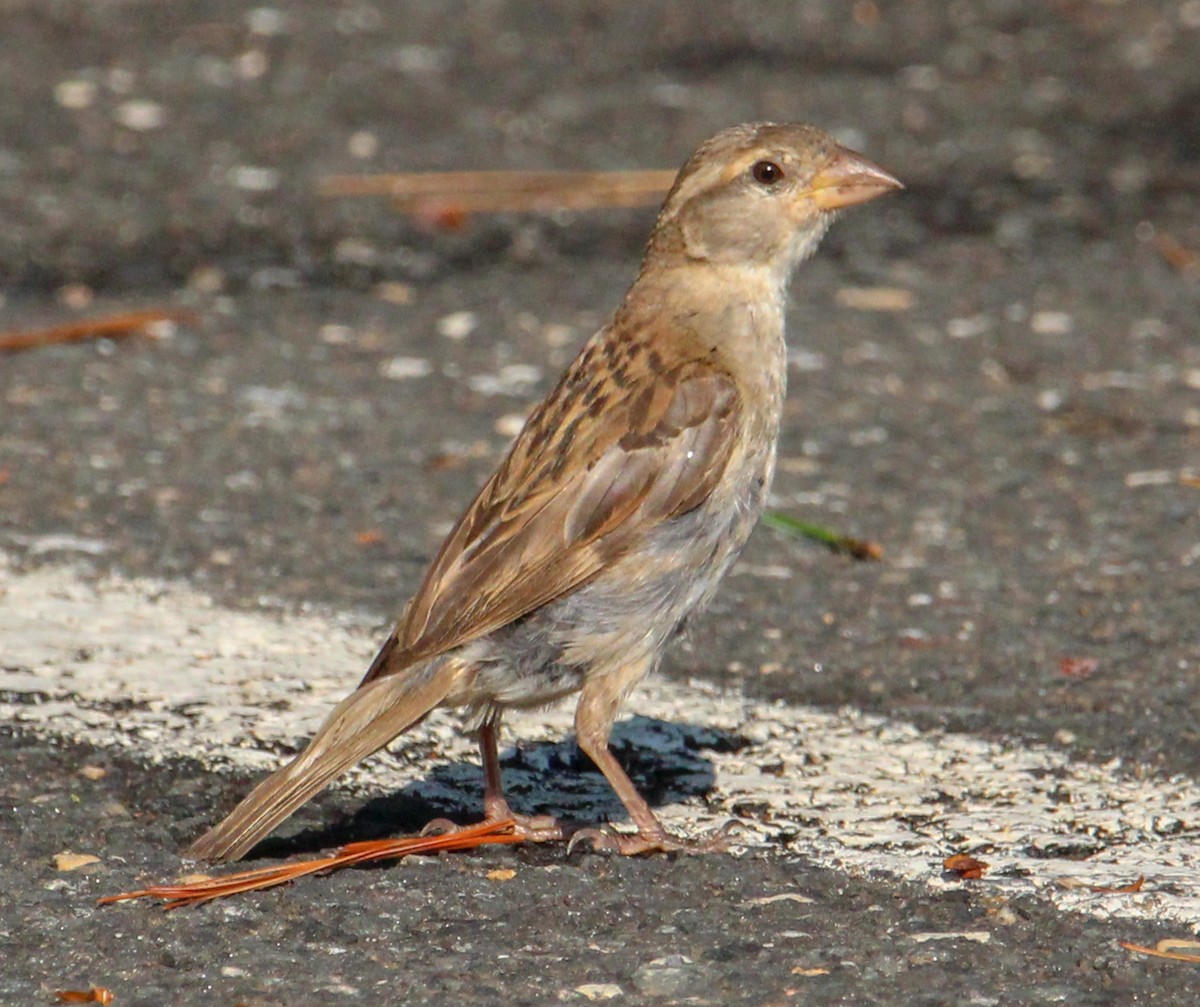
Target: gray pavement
{"type": "Point", "coordinates": [1023, 439]}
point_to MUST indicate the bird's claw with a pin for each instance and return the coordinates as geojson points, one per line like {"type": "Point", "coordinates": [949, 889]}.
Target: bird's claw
{"type": "Point", "coordinates": [599, 838]}
{"type": "Point", "coordinates": [534, 828]}
{"type": "Point", "coordinates": [439, 827]}
{"type": "Point", "coordinates": [539, 828]}
{"type": "Point", "coordinates": [653, 841]}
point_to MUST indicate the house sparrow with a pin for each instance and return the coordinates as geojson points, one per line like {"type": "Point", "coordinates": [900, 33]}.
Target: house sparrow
{"type": "Point", "coordinates": [620, 506]}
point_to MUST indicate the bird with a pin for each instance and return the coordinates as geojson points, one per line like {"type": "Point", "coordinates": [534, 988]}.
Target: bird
{"type": "Point", "coordinates": [626, 497]}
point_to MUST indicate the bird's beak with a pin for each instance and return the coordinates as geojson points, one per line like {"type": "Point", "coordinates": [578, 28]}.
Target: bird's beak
{"type": "Point", "coordinates": [850, 179]}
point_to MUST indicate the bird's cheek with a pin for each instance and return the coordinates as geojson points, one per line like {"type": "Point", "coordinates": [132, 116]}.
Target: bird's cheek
{"type": "Point", "coordinates": [803, 211]}
{"type": "Point", "coordinates": [720, 232]}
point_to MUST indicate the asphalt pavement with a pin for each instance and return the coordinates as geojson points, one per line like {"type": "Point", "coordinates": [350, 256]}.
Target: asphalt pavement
{"type": "Point", "coordinates": [995, 376]}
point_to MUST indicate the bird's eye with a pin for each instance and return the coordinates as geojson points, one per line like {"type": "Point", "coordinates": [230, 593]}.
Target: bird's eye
{"type": "Point", "coordinates": [766, 172]}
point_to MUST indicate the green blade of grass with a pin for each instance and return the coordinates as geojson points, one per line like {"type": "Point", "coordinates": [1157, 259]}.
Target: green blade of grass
{"type": "Point", "coordinates": [843, 544]}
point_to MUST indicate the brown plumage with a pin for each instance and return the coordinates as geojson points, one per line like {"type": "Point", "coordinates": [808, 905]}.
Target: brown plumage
{"type": "Point", "coordinates": [626, 497]}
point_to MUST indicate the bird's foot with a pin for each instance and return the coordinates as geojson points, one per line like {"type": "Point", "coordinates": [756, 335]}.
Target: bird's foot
{"type": "Point", "coordinates": [533, 828]}
{"type": "Point", "coordinates": [654, 840]}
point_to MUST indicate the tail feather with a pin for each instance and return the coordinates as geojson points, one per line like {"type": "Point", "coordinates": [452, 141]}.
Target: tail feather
{"type": "Point", "coordinates": [359, 725]}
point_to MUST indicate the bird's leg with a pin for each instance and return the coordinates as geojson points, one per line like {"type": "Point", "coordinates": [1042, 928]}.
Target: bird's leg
{"type": "Point", "coordinates": [594, 718]}
{"type": "Point", "coordinates": [535, 828]}
{"type": "Point", "coordinates": [495, 806]}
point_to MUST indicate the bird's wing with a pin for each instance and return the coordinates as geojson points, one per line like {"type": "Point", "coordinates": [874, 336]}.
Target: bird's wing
{"type": "Point", "coordinates": [598, 464]}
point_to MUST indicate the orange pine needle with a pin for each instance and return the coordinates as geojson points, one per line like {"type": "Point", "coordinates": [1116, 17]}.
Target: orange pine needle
{"type": "Point", "coordinates": [1177, 255]}
{"type": "Point", "coordinates": [1161, 952]}
{"type": "Point", "coordinates": [199, 892]}
{"type": "Point", "coordinates": [1130, 889]}
{"type": "Point", "coordinates": [95, 995]}
{"type": "Point", "coordinates": [106, 327]}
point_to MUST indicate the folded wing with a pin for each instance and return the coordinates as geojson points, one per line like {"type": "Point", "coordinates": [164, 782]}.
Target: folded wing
{"type": "Point", "coordinates": [558, 511]}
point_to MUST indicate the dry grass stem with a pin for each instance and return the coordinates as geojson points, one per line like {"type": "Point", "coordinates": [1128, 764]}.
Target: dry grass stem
{"type": "Point", "coordinates": [505, 191]}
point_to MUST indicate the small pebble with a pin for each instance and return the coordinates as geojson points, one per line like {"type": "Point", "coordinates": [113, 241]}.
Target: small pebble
{"type": "Point", "coordinates": [1049, 399]}
{"type": "Point", "coordinates": [75, 94]}
{"type": "Point", "coordinates": [458, 325]}
{"type": "Point", "coordinates": [254, 179]}
{"type": "Point", "coordinates": [599, 991]}
{"type": "Point", "coordinates": [207, 279]}
{"type": "Point", "coordinates": [141, 116]}
{"type": "Point", "coordinates": [510, 425]}
{"type": "Point", "coordinates": [251, 64]}
{"type": "Point", "coordinates": [968, 328]}
{"type": "Point", "coordinates": [76, 295]}
{"type": "Point", "coordinates": [557, 335]}
{"type": "Point", "coordinates": [67, 861]}
{"type": "Point", "coordinates": [363, 145]}
{"type": "Point", "coordinates": [1051, 323]}
{"type": "Point", "coordinates": [402, 368]}
{"type": "Point", "coordinates": [394, 293]}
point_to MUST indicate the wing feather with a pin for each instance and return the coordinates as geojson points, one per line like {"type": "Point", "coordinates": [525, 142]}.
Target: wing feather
{"type": "Point", "coordinates": [655, 451]}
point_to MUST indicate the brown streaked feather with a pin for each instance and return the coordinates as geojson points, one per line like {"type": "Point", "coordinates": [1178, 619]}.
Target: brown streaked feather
{"type": "Point", "coordinates": [560, 509]}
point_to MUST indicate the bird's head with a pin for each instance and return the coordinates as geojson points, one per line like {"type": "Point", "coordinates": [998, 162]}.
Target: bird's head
{"type": "Point", "coordinates": [762, 195]}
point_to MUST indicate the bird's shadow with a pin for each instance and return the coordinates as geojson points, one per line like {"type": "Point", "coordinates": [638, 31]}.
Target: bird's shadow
{"type": "Point", "coordinates": [665, 760]}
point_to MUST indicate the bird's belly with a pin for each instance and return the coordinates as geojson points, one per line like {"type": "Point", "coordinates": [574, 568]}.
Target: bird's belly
{"type": "Point", "coordinates": [627, 613]}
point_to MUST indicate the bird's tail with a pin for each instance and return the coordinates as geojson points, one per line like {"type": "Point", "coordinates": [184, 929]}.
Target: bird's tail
{"type": "Point", "coordinates": [360, 724]}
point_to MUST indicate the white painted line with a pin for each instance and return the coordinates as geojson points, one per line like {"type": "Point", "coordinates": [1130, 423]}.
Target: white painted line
{"type": "Point", "coordinates": [158, 668]}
